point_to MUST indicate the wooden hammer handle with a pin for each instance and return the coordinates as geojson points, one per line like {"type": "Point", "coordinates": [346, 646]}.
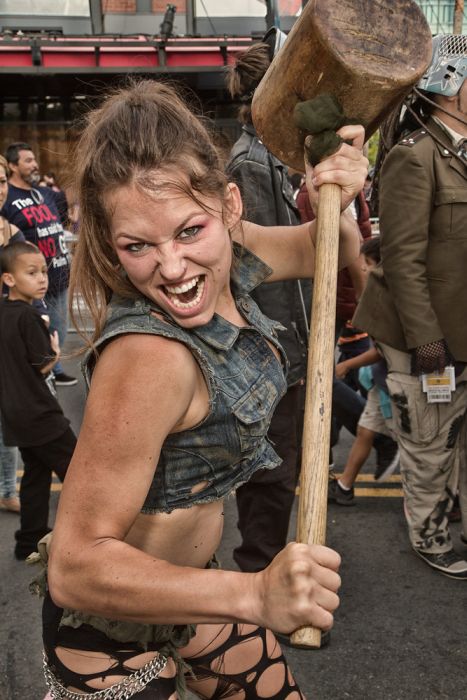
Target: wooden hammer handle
{"type": "Point", "coordinates": [312, 512]}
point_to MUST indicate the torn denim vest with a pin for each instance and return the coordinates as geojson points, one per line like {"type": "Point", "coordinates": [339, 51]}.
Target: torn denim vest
{"type": "Point", "coordinates": [245, 382]}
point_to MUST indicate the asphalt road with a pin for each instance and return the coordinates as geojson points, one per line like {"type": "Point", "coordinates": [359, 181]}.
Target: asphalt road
{"type": "Point", "coordinates": [399, 634]}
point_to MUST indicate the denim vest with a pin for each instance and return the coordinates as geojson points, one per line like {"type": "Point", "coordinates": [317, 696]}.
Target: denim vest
{"type": "Point", "coordinates": [245, 382]}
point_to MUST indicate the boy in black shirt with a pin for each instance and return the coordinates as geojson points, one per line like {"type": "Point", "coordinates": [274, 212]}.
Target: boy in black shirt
{"type": "Point", "coordinates": [32, 418]}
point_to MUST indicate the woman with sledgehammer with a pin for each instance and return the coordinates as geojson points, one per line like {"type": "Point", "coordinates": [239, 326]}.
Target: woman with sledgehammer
{"type": "Point", "coordinates": [185, 373]}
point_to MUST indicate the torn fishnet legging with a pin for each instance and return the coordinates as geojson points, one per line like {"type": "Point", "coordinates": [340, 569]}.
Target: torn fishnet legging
{"type": "Point", "coordinates": [432, 357]}
{"type": "Point", "coordinates": [242, 661]}
{"type": "Point", "coordinates": [72, 673]}
{"type": "Point", "coordinates": [228, 661]}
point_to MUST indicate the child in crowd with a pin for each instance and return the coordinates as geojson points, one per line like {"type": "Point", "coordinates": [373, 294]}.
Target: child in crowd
{"type": "Point", "coordinates": [8, 455]}
{"type": "Point", "coordinates": [32, 418]}
{"type": "Point", "coordinates": [376, 417]}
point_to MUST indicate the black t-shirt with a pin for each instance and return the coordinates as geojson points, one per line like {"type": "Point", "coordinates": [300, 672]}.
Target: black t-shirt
{"type": "Point", "coordinates": [62, 205]}
{"type": "Point", "coordinates": [35, 213]}
{"type": "Point", "coordinates": [31, 415]}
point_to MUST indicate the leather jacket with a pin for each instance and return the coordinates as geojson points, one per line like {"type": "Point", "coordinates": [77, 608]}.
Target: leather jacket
{"type": "Point", "coordinates": [268, 200]}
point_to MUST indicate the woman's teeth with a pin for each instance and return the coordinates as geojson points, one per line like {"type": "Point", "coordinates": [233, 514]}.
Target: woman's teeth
{"type": "Point", "coordinates": [179, 289]}
{"type": "Point", "coordinates": [176, 291]}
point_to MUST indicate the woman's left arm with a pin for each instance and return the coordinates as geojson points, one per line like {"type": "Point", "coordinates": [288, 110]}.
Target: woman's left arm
{"type": "Point", "coordinates": [290, 250]}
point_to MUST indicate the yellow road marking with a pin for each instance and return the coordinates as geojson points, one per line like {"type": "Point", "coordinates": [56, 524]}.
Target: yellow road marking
{"type": "Point", "coordinates": [377, 491]}
{"type": "Point", "coordinates": [363, 492]}
{"type": "Point", "coordinates": [371, 492]}
{"type": "Point", "coordinates": [394, 479]}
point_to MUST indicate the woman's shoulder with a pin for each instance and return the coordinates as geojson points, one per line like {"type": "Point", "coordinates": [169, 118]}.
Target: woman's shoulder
{"type": "Point", "coordinates": [146, 349]}
{"type": "Point", "coordinates": [138, 315]}
{"type": "Point", "coordinates": [137, 333]}
{"type": "Point", "coordinates": [150, 361]}
{"type": "Point", "coordinates": [145, 380]}
{"type": "Point", "coordinates": [11, 233]}
{"type": "Point", "coordinates": [16, 235]}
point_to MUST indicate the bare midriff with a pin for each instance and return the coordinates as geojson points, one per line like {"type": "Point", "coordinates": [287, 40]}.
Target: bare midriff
{"type": "Point", "coordinates": [185, 537]}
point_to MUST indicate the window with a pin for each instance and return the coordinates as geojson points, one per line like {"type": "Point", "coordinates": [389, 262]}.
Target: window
{"type": "Point", "coordinates": [39, 8]}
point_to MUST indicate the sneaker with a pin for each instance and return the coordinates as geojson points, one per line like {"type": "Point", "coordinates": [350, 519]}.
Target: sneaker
{"type": "Point", "coordinates": [339, 495]}
{"type": "Point", "coordinates": [448, 563]}
{"type": "Point", "coordinates": [63, 379]}
{"type": "Point", "coordinates": [11, 504]}
{"type": "Point", "coordinates": [387, 458]}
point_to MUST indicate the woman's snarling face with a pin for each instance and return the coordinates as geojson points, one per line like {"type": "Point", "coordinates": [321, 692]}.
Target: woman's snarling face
{"type": "Point", "coordinates": [176, 250]}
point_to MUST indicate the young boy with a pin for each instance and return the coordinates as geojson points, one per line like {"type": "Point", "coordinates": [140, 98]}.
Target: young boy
{"type": "Point", "coordinates": [32, 418]}
{"type": "Point", "coordinates": [376, 416]}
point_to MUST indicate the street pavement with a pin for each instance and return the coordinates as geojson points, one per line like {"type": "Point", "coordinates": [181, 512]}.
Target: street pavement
{"type": "Point", "coordinates": [400, 632]}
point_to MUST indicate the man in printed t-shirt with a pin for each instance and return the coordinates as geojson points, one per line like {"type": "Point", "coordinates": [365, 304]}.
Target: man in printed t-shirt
{"type": "Point", "coordinates": [33, 210]}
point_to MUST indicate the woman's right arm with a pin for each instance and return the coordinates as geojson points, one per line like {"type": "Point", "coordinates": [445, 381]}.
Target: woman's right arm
{"type": "Point", "coordinates": [144, 388]}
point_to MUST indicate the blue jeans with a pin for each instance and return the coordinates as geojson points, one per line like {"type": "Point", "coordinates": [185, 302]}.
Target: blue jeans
{"type": "Point", "coordinates": [8, 466]}
{"type": "Point", "coordinates": [347, 407]}
{"type": "Point", "coordinates": [57, 305]}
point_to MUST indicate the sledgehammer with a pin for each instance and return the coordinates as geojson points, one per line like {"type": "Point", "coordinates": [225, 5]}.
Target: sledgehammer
{"type": "Point", "coordinates": [367, 54]}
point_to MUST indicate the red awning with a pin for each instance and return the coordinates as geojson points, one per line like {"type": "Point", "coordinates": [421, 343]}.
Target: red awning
{"type": "Point", "coordinates": [44, 54]}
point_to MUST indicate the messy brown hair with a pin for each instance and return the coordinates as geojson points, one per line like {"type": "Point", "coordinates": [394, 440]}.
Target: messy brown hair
{"type": "Point", "coordinates": [138, 130]}
{"type": "Point", "coordinates": [244, 76]}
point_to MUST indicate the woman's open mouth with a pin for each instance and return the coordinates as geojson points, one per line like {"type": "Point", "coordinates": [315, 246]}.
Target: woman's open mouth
{"type": "Point", "coordinates": [186, 295]}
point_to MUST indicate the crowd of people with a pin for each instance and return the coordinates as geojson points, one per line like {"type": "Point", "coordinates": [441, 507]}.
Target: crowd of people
{"type": "Point", "coordinates": [197, 271]}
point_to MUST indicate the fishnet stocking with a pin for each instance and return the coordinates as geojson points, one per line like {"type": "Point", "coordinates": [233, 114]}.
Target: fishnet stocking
{"type": "Point", "coordinates": [241, 661]}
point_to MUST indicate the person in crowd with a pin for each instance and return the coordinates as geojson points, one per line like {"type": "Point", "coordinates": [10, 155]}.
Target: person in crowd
{"type": "Point", "coordinates": [8, 467]}
{"type": "Point", "coordinates": [351, 343]}
{"type": "Point", "coordinates": [50, 180]}
{"type": "Point", "coordinates": [376, 418]}
{"type": "Point", "coordinates": [348, 404]}
{"type": "Point", "coordinates": [32, 418]}
{"type": "Point", "coordinates": [73, 212]}
{"type": "Point", "coordinates": [367, 190]}
{"type": "Point", "coordinates": [412, 305]}
{"type": "Point", "coordinates": [265, 502]}
{"type": "Point", "coordinates": [8, 455]}
{"type": "Point", "coordinates": [33, 210]}
{"type": "Point", "coordinates": [8, 232]}
{"type": "Point", "coordinates": [185, 374]}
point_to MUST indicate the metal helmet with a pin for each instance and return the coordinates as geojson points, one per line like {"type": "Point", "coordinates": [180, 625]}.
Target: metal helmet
{"type": "Point", "coordinates": [448, 68]}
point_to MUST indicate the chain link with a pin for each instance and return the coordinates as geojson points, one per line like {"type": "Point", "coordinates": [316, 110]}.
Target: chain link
{"type": "Point", "coordinates": [123, 690]}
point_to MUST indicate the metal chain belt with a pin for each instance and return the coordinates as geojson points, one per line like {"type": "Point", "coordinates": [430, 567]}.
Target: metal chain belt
{"type": "Point", "coordinates": [123, 690]}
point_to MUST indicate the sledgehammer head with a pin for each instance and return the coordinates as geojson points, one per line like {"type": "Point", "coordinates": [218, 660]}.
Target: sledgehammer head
{"type": "Point", "coordinates": [368, 54]}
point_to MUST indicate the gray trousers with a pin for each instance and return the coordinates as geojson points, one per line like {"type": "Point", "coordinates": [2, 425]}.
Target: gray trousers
{"type": "Point", "coordinates": [432, 440]}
